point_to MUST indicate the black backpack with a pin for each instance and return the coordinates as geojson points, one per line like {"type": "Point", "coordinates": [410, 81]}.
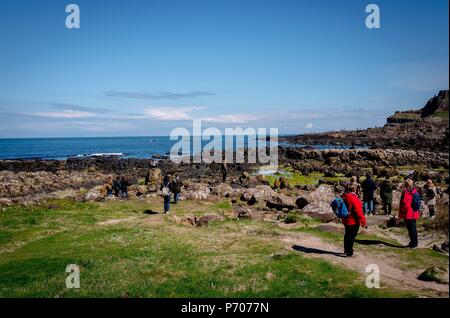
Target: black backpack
{"type": "Point", "coordinates": [430, 194]}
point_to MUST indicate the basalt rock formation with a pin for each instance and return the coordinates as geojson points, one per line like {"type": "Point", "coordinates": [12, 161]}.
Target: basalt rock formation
{"type": "Point", "coordinates": [424, 129]}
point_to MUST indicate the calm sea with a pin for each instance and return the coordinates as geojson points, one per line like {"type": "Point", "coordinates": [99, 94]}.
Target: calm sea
{"type": "Point", "coordinates": [63, 148]}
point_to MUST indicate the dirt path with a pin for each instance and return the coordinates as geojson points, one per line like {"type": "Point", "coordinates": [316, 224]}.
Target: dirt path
{"type": "Point", "coordinates": [389, 275]}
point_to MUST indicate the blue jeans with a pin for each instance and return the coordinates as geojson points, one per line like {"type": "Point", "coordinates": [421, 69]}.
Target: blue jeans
{"type": "Point", "coordinates": [369, 207]}
{"type": "Point", "coordinates": [166, 204]}
{"type": "Point", "coordinates": [176, 197]}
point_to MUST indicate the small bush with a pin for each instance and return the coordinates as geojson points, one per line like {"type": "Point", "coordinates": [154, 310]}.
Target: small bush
{"type": "Point", "coordinates": [291, 218]}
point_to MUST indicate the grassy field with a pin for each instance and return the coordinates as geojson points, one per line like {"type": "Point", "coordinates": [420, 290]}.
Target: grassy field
{"type": "Point", "coordinates": [124, 253]}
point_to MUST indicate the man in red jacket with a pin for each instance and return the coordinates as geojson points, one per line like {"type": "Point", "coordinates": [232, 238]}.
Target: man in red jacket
{"type": "Point", "coordinates": [355, 218]}
{"type": "Point", "coordinates": [407, 212]}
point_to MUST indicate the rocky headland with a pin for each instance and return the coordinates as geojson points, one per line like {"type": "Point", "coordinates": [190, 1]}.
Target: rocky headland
{"type": "Point", "coordinates": [425, 129]}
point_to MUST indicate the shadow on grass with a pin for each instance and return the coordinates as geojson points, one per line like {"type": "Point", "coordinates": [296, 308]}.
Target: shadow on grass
{"type": "Point", "coordinates": [310, 250]}
{"type": "Point", "coordinates": [151, 212]}
{"type": "Point", "coordinates": [378, 242]}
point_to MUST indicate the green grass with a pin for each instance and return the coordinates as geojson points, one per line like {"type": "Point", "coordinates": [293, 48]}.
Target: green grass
{"type": "Point", "coordinates": [406, 115]}
{"type": "Point", "coordinates": [297, 178]}
{"type": "Point", "coordinates": [152, 256]}
{"type": "Point", "coordinates": [441, 114]}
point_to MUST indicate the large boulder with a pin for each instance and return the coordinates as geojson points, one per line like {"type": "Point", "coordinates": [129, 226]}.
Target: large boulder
{"type": "Point", "coordinates": [141, 189]}
{"type": "Point", "coordinates": [222, 189]}
{"type": "Point", "coordinates": [197, 191]}
{"type": "Point", "coordinates": [153, 176]}
{"type": "Point", "coordinates": [317, 203]}
{"type": "Point", "coordinates": [261, 193]}
{"type": "Point", "coordinates": [280, 202]}
{"type": "Point", "coordinates": [95, 194]}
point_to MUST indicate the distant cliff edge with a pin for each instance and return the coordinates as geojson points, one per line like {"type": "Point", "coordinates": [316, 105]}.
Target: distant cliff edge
{"type": "Point", "coordinates": [422, 129]}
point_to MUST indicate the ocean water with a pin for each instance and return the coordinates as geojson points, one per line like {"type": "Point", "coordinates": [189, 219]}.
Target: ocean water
{"type": "Point", "coordinates": [63, 148]}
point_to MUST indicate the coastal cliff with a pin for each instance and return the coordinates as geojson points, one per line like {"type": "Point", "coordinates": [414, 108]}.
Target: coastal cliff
{"type": "Point", "coordinates": [424, 129]}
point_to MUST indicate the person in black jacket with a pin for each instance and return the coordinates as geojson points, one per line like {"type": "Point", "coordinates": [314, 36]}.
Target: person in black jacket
{"type": "Point", "coordinates": [369, 187]}
{"type": "Point", "coordinates": [116, 186]}
{"type": "Point", "coordinates": [124, 187]}
{"type": "Point", "coordinates": [386, 189]}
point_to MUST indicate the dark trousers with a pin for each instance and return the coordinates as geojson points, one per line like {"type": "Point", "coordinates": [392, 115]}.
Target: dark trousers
{"type": "Point", "coordinates": [166, 203]}
{"type": "Point", "coordinates": [224, 177]}
{"type": "Point", "coordinates": [412, 232]}
{"type": "Point", "coordinates": [387, 208]}
{"type": "Point", "coordinates": [431, 210]}
{"type": "Point", "coordinates": [349, 238]}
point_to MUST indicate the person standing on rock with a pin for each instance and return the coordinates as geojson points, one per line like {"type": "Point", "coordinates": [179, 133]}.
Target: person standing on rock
{"type": "Point", "coordinates": [430, 196]}
{"type": "Point", "coordinates": [124, 187]}
{"type": "Point", "coordinates": [369, 187]}
{"type": "Point", "coordinates": [116, 186]}
{"type": "Point", "coordinates": [224, 170]}
{"type": "Point", "coordinates": [409, 211]}
{"type": "Point", "coordinates": [177, 184]}
{"type": "Point", "coordinates": [354, 220]}
{"type": "Point", "coordinates": [166, 189]}
{"type": "Point", "coordinates": [386, 189]}
{"type": "Point", "coordinates": [354, 180]}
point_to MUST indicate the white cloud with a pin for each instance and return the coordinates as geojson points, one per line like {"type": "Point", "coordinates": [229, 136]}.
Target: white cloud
{"type": "Point", "coordinates": [309, 126]}
{"type": "Point", "coordinates": [69, 114]}
{"type": "Point", "coordinates": [170, 113]}
{"type": "Point", "coordinates": [232, 118]}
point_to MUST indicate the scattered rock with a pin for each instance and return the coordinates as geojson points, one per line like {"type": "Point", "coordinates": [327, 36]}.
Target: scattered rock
{"type": "Point", "coordinates": [435, 274]}
{"type": "Point", "coordinates": [96, 194]}
{"type": "Point", "coordinates": [243, 213]}
{"type": "Point", "coordinates": [441, 249]}
{"type": "Point", "coordinates": [222, 190]}
{"type": "Point", "coordinates": [6, 202]}
{"type": "Point", "coordinates": [195, 221]}
{"type": "Point", "coordinates": [197, 191]}
{"type": "Point", "coordinates": [280, 202]}
{"type": "Point", "coordinates": [301, 202]}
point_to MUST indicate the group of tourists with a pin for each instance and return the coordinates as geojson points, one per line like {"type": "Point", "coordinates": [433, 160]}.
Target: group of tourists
{"type": "Point", "coordinates": [357, 210]}
{"type": "Point", "coordinates": [117, 187]}
{"type": "Point", "coordinates": [366, 190]}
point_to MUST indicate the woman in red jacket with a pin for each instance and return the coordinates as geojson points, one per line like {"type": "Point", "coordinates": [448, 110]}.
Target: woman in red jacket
{"type": "Point", "coordinates": [355, 218]}
{"type": "Point", "coordinates": [407, 212]}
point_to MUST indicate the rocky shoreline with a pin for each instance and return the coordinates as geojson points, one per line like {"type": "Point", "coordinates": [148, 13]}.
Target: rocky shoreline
{"type": "Point", "coordinates": [425, 129]}
{"type": "Point", "coordinates": [29, 182]}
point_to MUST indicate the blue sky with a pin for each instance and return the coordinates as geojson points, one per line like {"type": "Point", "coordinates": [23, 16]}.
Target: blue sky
{"type": "Point", "coordinates": [145, 67]}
